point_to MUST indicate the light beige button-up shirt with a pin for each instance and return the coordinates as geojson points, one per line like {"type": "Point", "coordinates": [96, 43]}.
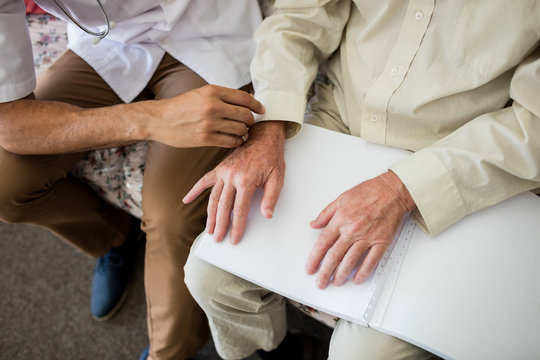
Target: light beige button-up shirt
{"type": "Point", "coordinates": [434, 77]}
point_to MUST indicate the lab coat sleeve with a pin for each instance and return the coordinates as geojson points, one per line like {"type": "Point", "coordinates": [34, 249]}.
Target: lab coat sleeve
{"type": "Point", "coordinates": [492, 158]}
{"type": "Point", "coordinates": [17, 76]}
{"type": "Point", "coordinates": [291, 43]}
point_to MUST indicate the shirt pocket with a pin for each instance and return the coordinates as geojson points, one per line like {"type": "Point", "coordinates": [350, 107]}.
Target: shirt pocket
{"type": "Point", "coordinates": [493, 36]}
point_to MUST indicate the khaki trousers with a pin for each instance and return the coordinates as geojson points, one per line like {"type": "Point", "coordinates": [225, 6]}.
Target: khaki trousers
{"type": "Point", "coordinates": [245, 317]}
{"type": "Point", "coordinates": [39, 190]}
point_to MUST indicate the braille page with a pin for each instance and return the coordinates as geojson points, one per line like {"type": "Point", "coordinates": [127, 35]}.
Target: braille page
{"type": "Point", "coordinates": [321, 164]}
{"type": "Point", "coordinates": [472, 292]}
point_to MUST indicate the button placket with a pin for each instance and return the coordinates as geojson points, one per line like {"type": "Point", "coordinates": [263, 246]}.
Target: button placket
{"type": "Point", "coordinates": [398, 64]}
{"type": "Point", "coordinates": [374, 125]}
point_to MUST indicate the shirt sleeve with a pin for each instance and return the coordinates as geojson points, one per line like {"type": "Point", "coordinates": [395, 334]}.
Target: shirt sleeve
{"type": "Point", "coordinates": [291, 43]}
{"type": "Point", "coordinates": [486, 161]}
{"type": "Point", "coordinates": [17, 76]}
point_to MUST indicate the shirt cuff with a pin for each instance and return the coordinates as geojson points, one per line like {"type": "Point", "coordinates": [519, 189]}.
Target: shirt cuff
{"type": "Point", "coordinates": [431, 186]}
{"type": "Point", "coordinates": [284, 106]}
{"type": "Point", "coordinates": [12, 92]}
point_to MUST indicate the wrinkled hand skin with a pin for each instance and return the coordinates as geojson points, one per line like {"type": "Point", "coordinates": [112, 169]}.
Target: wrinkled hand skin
{"type": "Point", "coordinates": [258, 163]}
{"type": "Point", "coordinates": [357, 228]}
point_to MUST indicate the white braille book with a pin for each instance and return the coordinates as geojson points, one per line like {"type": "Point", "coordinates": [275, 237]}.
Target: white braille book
{"type": "Point", "coordinates": [471, 292]}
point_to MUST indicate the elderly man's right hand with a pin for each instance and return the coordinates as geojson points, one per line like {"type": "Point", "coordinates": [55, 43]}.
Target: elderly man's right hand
{"type": "Point", "coordinates": [259, 163]}
{"type": "Point", "coordinates": [208, 116]}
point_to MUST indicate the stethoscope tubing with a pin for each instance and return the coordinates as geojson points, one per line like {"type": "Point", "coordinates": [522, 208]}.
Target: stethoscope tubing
{"type": "Point", "coordinates": [100, 34]}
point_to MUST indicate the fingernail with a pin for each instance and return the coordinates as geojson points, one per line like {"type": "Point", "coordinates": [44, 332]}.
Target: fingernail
{"type": "Point", "coordinates": [268, 212]}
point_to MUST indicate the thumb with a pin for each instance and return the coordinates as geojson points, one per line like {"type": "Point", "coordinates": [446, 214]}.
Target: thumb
{"type": "Point", "coordinates": [325, 216]}
{"type": "Point", "coordinates": [204, 183]}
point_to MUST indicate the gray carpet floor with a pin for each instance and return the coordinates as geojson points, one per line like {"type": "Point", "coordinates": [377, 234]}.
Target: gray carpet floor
{"type": "Point", "coordinates": [44, 305]}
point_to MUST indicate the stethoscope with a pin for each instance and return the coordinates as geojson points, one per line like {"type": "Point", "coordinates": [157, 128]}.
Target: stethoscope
{"type": "Point", "coordinates": [99, 35]}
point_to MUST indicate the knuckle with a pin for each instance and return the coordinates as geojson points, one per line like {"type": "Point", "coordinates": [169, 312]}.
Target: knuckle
{"type": "Point", "coordinates": [209, 108]}
{"type": "Point", "coordinates": [333, 256]}
{"type": "Point", "coordinates": [231, 142]}
{"type": "Point", "coordinates": [324, 243]}
{"type": "Point", "coordinates": [349, 263]}
{"type": "Point", "coordinates": [243, 181]}
{"type": "Point", "coordinates": [236, 142]}
{"type": "Point", "coordinates": [245, 98]}
{"type": "Point", "coordinates": [272, 199]}
{"type": "Point", "coordinates": [239, 213]}
{"type": "Point", "coordinates": [210, 90]}
{"type": "Point", "coordinates": [252, 101]}
{"type": "Point", "coordinates": [214, 197]}
{"type": "Point", "coordinates": [354, 228]}
{"type": "Point", "coordinates": [204, 136]}
{"type": "Point", "coordinates": [207, 126]}
{"type": "Point", "coordinates": [369, 264]}
{"type": "Point", "coordinates": [246, 116]}
{"type": "Point", "coordinates": [224, 204]}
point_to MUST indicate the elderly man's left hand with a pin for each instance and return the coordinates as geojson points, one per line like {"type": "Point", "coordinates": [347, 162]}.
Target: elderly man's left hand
{"type": "Point", "coordinates": [358, 227]}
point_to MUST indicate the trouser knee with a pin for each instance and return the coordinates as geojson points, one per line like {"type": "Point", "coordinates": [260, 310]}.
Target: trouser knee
{"type": "Point", "coordinates": [217, 290]}
{"type": "Point", "coordinates": [353, 341]}
{"type": "Point", "coordinates": [201, 279]}
{"type": "Point", "coordinates": [27, 180]}
{"type": "Point", "coordinates": [15, 200]}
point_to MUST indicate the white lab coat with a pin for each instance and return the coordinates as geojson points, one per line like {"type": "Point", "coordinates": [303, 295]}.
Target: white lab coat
{"type": "Point", "coordinates": [212, 37]}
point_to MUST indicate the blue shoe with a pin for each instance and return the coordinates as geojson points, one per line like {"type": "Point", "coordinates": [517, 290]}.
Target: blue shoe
{"type": "Point", "coordinates": [144, 354]}
{"type": "Point", "coordinates": [112, 275]}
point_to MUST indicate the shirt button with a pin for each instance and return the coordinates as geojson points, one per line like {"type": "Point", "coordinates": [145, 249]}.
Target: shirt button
{"type": "Point", "coordinates": [165, 41]}
{"type": "Point", "coordinates": [373, 118]}
{"type": "Point", "coordinates": [419, 15]}
{"type": "Point", "coordinates": [394, 72]}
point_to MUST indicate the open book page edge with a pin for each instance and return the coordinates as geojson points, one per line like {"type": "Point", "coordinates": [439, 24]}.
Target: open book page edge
{"type": "Point", "coordinates": [289, 295]}
{"type": "Point", "coordinates": [383, 294]}
{"type": "Point", "coordinates": [472, 291]}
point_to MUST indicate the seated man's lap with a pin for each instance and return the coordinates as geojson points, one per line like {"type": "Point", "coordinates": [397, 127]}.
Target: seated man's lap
{"type": "Point", "coordinates": [353, 341]}
{"type": "Point", "coordinates": [71, 80]}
